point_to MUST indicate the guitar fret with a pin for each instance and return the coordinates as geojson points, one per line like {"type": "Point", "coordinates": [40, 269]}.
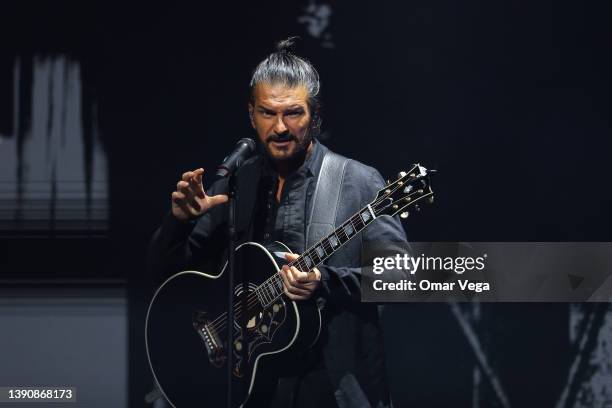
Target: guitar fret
{"type": "Point", "coordinates": [357, 222]}
{"type": "Point", "coordinates": [273, 290]}
{"type": "Point", "coordinates": [261, 301]}
{"type": "Point", "coordinates": [269, 290]}
{"type": "Point", "coordinates": [315, 258]}
{"type": "Point", "coordinates": [325, 244]}
{"type": "Point", "coordinates": [346, 236]}
{"type": "Point", "coordinates": [320, 251]}
{"type": "Point", "coordinates": [348, 230]}
{"type": "Point", "coordinates": [262, 294]}
{"type": "Point", "coordinates": [365, 216]}
{"type": "Point", "coordinates": [267, 294]}
{"type": "Point", "coordinates": [307, 263]}
{"type": "Point", "coordinates": [279, 284]}
{"type": "Point", "coordinates": [333, 240]}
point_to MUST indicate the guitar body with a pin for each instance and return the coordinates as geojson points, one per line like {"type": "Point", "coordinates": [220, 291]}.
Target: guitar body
{"type": "Point", "coordinates": [186, 328]}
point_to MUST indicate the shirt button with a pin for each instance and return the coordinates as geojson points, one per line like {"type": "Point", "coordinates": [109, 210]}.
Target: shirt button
{"type": "Point", "coordinates": [266, 235]}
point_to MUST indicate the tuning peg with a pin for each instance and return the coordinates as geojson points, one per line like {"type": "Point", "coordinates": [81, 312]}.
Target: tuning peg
{"type": "Point", "coordinates": [404, 215]}
{"type": "Point", "coordinates": [401, 174]}
{"type": "Point", "coordinates": [430, 199]}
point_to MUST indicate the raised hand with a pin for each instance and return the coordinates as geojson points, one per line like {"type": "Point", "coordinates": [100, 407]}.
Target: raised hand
{"type": "Point", "coordinates": [190, 201]}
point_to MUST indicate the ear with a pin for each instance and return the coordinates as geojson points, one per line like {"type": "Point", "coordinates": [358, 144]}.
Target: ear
{"type": "Point", "coordinates": [251, 111]}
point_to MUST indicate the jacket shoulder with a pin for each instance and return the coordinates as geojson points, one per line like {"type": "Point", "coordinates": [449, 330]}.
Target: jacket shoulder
{"type": "Point", "coordinates": [355, 168]}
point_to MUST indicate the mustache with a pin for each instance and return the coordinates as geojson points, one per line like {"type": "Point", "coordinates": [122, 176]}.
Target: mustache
{"type": "Point", "coordinates": [285, 137]}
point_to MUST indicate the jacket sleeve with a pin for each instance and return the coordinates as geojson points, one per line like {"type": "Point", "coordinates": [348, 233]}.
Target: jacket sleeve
{"type": "Point", "coordinates": [342, 285]}
{"type": "Point", "coordinates": [197, 244]}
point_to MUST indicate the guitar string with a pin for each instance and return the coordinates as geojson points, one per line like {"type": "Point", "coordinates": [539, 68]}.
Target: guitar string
{"type": "Point", "coordinates": [252, 299]}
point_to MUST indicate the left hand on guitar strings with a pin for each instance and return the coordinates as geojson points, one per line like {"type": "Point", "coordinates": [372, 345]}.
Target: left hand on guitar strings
{"type": "Point", "coordinates": [299, 285]}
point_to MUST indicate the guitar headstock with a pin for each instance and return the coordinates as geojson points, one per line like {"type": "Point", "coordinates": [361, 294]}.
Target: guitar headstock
{"type": "Point", "coordinates": [409, 190]}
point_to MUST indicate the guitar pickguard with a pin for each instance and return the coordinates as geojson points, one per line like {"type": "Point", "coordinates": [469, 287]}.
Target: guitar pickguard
{"type": "Point", "coordinates": [268, 322]}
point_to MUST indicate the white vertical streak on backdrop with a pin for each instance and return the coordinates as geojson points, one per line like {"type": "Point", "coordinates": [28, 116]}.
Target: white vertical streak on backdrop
{"type": "Point", "coordinates": [54, 181]}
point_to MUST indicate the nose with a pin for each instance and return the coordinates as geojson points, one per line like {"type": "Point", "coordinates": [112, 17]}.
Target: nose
{"type": "Point", "coordinates": [279, 126]}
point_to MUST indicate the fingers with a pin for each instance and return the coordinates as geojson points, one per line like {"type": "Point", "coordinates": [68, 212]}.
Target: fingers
{"type": "Point", "coordinates": [298, 285]}
{"type": "Point", "coordinates": [290, 275]}
{"type": "Point", "coordinates": [291, 284]}
{"type": "Point", "coordinates": [189, 174]}
{"type": "Point", "coordinates": [304, 277]}
{"type": "Point", "coordinates": [311, 276]}
{"type": "Point", "coordinates": [187, 194]}
{"type": "Point", "coordinates": [187, 204]}
{"type": "Point", "coordinates": [291, 257]}
{"type": "Point", "coordinates": [194, 182]}
{"type": "Point", "coordinates": [198, 179]}
{"type": "Point", "coordinates": [191, 187]}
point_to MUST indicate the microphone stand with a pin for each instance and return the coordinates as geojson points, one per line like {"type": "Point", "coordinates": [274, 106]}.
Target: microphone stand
{"type": "Point", "coordinates": [230, 165]}
{"type": "Point", "coordinates": [231, 262]}
{"type": "Point", "coordinates": [235, 273]}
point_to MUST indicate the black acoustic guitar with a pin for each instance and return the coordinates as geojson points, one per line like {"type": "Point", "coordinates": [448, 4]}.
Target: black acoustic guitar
{"type": "Point", "coordinates": [186, 322]}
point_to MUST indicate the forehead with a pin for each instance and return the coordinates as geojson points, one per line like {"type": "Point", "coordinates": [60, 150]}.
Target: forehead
{"type": "Point", "coordinates": [280, 95]}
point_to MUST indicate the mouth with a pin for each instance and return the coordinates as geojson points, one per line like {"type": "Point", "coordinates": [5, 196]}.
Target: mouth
{"type": "Point", "coordinates": [280, 144]}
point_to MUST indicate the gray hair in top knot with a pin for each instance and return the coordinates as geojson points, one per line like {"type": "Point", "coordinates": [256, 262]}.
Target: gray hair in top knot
{"type": "Point", "coordinates": [286, 68]}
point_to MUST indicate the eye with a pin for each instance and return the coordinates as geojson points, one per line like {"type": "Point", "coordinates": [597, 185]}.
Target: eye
{"type": "Point", "coordinates": [295, 113]}
{"type": "Point", "coordinates": [266, 114]}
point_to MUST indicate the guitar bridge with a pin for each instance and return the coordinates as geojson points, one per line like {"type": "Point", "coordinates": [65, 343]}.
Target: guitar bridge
{"type": "Point", "coordinates": [211, 340]}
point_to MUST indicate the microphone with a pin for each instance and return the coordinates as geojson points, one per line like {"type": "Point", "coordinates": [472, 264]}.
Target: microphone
{"type": "Point", "coordinates": [243, 150]}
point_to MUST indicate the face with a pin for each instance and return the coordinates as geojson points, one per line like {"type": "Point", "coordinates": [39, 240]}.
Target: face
{"type": "Point", "coordinates": [281, 117]}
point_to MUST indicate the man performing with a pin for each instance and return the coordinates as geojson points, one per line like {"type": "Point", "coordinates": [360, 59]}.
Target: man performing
{"type": "Point", "coordinates": [345, 368]}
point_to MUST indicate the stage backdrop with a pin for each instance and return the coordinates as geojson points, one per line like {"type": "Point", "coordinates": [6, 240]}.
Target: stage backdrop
{"type": "Point", "coordinates": [103, 107]}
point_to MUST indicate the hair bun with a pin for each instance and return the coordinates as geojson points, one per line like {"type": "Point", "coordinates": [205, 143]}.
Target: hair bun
{"type": "Point", "coordinates": [287, 46]}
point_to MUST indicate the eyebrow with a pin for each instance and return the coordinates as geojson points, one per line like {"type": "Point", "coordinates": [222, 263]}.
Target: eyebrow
{"type": "Point", "coordinates": [292, 107]}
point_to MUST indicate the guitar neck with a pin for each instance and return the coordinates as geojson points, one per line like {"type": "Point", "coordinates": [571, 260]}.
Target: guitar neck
{"type": "Point", "coordinates": [272, 288]}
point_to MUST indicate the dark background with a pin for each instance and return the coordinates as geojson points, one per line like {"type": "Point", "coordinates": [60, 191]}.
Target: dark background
{"type": "Point", "coordinates": [509, 100]}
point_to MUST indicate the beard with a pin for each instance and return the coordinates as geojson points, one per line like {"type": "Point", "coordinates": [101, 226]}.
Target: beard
{"type": "Point", "coordinates": [297, 154]}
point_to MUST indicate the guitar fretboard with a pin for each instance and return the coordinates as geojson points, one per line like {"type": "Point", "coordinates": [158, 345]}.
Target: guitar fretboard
{"type": "Point", "coordinates": [272, 288]}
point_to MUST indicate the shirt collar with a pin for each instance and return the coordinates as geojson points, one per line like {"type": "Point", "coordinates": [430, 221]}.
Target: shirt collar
{"type": "Point", "coordinates": [313, 162]}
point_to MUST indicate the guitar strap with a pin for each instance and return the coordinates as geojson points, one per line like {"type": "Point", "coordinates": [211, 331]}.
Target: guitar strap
{"type": "Point", "coordinates": [326, 198]}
